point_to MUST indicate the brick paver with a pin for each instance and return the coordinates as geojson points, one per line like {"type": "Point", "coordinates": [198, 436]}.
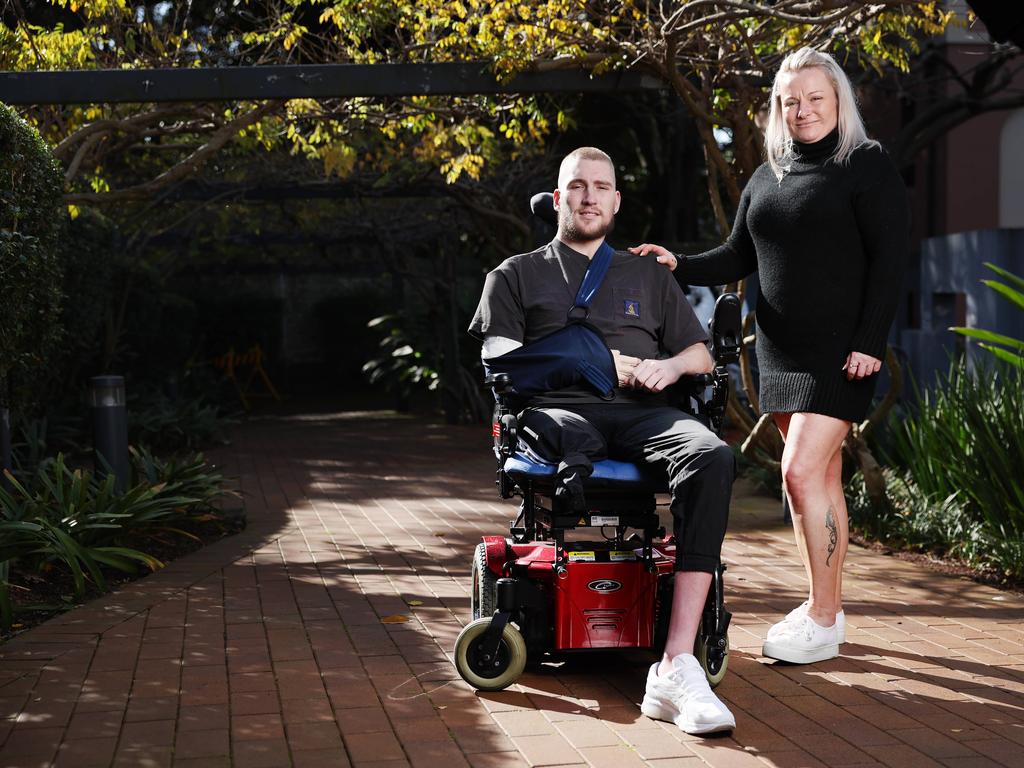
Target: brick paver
{"type": "Point", "coordinates": [321, 636]}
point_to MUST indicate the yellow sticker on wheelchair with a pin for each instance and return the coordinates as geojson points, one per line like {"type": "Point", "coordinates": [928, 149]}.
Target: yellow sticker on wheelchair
{"type": "Point", "coordinates": [618, 555]}
{"type": "Point", "coordinates": [581, 557]}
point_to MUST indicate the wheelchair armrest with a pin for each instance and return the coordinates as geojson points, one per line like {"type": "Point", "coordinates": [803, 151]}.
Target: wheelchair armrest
{"type": "Point", "coordinates": [697, 380]}
{"type": "Point", "coordinates": [690, 393]}
{"type": "Point", "coordinates": [505, 431]}
{"type": "Point", "coordinates": [501, 383]}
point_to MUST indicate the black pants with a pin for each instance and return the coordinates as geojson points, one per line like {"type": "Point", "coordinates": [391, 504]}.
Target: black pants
{"type": "Point", "coordinates": [700, 466]}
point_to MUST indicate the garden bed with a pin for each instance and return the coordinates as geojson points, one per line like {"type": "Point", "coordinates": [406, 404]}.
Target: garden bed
{"type": "Point", "coordinates": [936, 562]}
{"type": "Point", "coordinates": [40, 596]}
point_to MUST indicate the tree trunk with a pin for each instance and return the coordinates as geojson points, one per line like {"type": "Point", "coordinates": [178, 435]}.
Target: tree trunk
{"type": "Point", "coordinates": [6, 459]}
{"type": "Point", "coordinates": [6, 464]}
{"type": "Point", "coordinates": [402, 404]}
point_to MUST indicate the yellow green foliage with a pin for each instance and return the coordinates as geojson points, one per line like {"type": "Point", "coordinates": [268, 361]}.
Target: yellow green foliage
{"type": "Point", "coordinates": [717, 57]}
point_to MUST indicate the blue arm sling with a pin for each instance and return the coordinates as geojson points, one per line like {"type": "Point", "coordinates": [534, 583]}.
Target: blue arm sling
{"type": "Point", "coordinates": [574, 354]}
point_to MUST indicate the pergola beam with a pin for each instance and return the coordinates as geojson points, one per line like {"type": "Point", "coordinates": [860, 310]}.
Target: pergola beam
{"type": "Point", "coordinates": [314, 81]}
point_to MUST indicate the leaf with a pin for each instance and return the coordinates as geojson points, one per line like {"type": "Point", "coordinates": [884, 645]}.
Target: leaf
{"type": "Point", "coordinates": [394, 619]}
{"type": "Point", "coordinates": [1003, 354]}
{"type": "Point", "coordinates": [414, 602]}
{"type": "Point", "coordinates": [990, 336]}
{"type": "Point", "coordinates": [1006, 292]}
{"type": "Point", "coordinates": [1008, 275]}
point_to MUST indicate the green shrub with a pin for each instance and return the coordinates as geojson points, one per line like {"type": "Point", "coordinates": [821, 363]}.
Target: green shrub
{"type": "Point", "coordinates": [70, 519]}
{"type": "Point", "coordinates": [94, 267]}
{"type": "Point", "coordinates": [398, 367]}
{"type": "Point", "coordinates": [36, 438]}
{"type": "Point", "coordinates": [967, 438]}
{"type": "Point", "coordinates": [189, 477]}
{"type": "Point", "coordinates": [955, 480]}
{"type": "Point", "coordinates": [995, 342]}
{"type": "Point", "coordinates": [173, 425]}
{"type": "Point", "coordinates": [65, 518]}
{"type": "Point", "coordinates": [32, 218]}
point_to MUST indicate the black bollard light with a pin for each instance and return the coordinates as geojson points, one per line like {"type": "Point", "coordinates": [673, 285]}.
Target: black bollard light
{"type": "Point", "coordinates": [110, 428]}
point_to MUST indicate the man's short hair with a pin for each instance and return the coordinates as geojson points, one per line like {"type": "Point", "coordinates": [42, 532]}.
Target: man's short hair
{"type": "Point", "coordinates": [585, 153]}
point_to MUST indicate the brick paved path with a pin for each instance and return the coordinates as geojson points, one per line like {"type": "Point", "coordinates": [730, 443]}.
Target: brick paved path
{"type": "Point", "coordinates": [277, 647]}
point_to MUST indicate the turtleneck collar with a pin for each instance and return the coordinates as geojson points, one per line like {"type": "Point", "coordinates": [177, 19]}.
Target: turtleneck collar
{"type": "Point", "coordinates": [820, 150]}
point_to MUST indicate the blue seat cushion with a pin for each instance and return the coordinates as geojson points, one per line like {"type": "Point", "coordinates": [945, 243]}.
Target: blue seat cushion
{"type": "Point", "coordinates": [609, 471]}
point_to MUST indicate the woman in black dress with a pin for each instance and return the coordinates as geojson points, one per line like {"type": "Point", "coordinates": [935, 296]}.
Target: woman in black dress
{"type": "Point", "coordinates": [824, 223]}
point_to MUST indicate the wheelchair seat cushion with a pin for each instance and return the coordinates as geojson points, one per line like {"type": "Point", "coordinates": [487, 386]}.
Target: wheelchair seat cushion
{"type": "Point", "coordinates": [607, 473]}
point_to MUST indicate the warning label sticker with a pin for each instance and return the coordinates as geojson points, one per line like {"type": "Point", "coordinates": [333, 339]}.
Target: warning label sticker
{"type": "Point", "coordinates": [618, 555]}
{"type": "Point", "coordinates": [604, 519]}
{"type": "Point", "coordinates": [581, 557]}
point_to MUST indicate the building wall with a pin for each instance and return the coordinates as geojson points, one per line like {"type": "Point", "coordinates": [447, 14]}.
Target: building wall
{"type": "Point", "coordinates": [968, 206]}
{"type": "Point", "coordinates": [982, 160]}
{"type": "Point", "coordinates": [1011, 171]}
{"type": "Point", "coordinates": [972, 160]}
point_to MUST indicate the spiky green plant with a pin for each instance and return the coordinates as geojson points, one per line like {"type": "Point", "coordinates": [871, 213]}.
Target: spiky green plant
{"type": "Point", "coordinates": [1006, 348]}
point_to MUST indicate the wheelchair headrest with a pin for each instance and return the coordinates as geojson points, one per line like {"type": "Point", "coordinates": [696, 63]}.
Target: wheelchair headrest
{"type": "Point", "coordinates": [543, 206]}
{"type": "Point", "coordinates": [727, 329]}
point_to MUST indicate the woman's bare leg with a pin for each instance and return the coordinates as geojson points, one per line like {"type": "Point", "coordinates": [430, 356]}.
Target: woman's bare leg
{"type": "Point", "coordinates": [834, 481]}
{"type": "Point", "coordinates": [813, 442]}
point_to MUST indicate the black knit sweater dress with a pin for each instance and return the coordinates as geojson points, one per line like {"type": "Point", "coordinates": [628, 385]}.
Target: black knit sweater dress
{"type": "Point", "coordinates": [830, 246]}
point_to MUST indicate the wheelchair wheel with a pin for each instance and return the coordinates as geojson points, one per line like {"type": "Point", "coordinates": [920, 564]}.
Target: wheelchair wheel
{"type": "Point", "coordinates": [485, 583]}
{"type": "Point", "coordinates": [713, 657]}
{"type": "Point", "coordinates": [493, 675]}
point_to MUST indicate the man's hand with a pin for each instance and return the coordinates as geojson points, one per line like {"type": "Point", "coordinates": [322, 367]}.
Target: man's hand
{"type": "Point", "coordinates": [860, 366]}
{"type": "Point", "coordinates": [655, 375]}
{"type": "Point", "coordinates": [624, 366]}
{"type": "Point", "coordinates": [665, 256]}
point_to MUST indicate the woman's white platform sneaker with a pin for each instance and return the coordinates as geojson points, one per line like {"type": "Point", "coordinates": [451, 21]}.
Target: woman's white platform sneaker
{"type": "Point", "coordinates": [801, 640]}
{"type": "Point", "coordinates": [801, 610]}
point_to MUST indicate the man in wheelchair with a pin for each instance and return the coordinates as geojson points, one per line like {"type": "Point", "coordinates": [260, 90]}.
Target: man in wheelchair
{"type": "Point", "coordinates": [645, 318]}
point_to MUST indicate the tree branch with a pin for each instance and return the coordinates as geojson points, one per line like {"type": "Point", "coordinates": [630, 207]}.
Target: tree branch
{"type": "Point", "coordinates": [183, 169]}
{"type": "Point", "coordinates": [126, 125]}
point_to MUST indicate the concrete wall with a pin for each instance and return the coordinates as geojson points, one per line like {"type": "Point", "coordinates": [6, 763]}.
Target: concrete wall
{"type": "Point", "coordinates": [950, 292]}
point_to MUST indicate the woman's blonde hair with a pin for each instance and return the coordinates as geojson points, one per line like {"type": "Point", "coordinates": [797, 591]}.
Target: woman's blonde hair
{"type": "Point", "coordinates": [779, 145]}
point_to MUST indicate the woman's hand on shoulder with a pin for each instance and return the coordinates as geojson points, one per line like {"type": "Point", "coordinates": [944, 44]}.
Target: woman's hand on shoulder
{"type": "Point", "coordinates": [860, 366]}
{"type": "Point", "coordinates": [665, 256]}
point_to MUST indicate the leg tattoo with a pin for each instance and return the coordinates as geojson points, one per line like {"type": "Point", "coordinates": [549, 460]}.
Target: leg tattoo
{"type": "Point", "coordinates": [833, 533]}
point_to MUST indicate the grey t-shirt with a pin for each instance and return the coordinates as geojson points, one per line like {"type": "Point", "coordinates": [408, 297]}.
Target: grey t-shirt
{"type": "Point", "coordinates": [639, 307]}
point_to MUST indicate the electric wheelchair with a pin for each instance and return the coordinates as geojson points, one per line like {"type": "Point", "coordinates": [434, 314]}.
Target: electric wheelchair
{"type": "Point", "coordinates": [534, 593]}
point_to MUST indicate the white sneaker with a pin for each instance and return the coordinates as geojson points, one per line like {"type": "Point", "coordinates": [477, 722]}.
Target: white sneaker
{"type": "Point", "coordinates": [684, 697]}
{"type": "Point", "coordinates": [801, 610]}
{"type": "Point", "coordinates": [802, 641]}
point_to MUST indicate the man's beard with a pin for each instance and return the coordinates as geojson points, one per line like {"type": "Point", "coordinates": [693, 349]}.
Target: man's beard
{"type": "Point", "coordinates": [574, 234]}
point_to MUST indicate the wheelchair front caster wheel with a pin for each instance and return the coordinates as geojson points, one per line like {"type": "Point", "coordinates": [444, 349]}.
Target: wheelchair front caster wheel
{"type": "Point", "coordinates": [477, 668]}
{"type": "Point", "coordinates": [713, 655]}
